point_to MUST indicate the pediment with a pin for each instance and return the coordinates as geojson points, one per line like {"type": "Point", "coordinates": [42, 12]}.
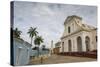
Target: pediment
{"type": "Point", "coordinates": [72, 18]}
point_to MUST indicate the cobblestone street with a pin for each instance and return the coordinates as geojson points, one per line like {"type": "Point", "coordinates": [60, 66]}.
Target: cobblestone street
{"type": "Point", "coordinates": [54, 59]}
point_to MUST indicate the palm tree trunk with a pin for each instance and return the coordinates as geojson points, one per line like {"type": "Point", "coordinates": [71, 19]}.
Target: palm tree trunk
{"type": "Point", "coordinates": [31, 40]}
{"type": "Point", "coordinates": [38, 51]}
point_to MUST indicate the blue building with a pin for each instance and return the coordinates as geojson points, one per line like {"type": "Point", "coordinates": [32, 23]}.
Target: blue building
{"type": "Point", "coordinates": [21, 52]}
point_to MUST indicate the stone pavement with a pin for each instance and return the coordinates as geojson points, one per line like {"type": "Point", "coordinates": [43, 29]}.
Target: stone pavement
{"type": "Point", "coordinates": [54, 59]}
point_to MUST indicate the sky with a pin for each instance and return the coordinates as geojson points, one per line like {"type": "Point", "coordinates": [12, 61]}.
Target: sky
{"type": "Point", "coordinates": [49, 18]}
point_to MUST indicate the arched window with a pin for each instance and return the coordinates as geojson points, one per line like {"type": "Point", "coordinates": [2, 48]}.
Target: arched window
{"type": "Point", "coordinates": [87, 42]}
{"type": "Point", "coordinates": [68, 29]}
{"type": "Point", "coordinates": [79, 44]}
{"type": "Point", "coordinates": [69, 46]}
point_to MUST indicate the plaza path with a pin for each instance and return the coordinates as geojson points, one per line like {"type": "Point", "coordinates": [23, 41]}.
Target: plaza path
{"type": "Point", "coordinates": [54, 59]}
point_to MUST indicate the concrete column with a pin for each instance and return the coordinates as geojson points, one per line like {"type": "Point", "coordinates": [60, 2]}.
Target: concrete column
{"type": "Point", "coordinates": [66, 46]}
{"type": "Point", "coordinates": [74, 44]}
{"type": "Point", "coordinates": [83, 43]}
{"type": "Point", "coordinates": [92, 40]}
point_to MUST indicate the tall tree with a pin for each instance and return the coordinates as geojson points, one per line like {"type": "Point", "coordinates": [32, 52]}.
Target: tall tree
{"type": "Point", "coordinates": [16, 33]}
{"type": "Point", "coordinates": [32, 32]}
{"type": "Point", "coordinates": [37, 41]}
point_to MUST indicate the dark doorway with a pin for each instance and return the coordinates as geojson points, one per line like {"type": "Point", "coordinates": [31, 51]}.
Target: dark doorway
{"type": "Point", "coordinates": [87, 42]}
{"type": "Point", "coordinates": [69, 46]}
{"type": "Point", "coordinates": [79, 44]}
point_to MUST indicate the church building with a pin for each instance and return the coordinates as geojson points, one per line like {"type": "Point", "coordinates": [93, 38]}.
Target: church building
{"type": "Point", "coordinates": [78, 36]}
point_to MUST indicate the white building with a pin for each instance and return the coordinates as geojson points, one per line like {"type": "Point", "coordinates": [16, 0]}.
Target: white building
{"type": "Point", "coordinates": [77, 36]}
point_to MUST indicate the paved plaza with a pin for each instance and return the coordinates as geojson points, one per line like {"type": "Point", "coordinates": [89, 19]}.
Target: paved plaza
{"type": "Point", "coordinates": [54, 59]}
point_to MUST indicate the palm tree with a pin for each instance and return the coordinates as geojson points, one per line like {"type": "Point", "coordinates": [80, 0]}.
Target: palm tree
{"type": "Point", "coordinates": [37, 41]}
{"type": "Point", "coordinates": [32, 32]}
{"type": "Point", "coordinates": [16, 33]}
